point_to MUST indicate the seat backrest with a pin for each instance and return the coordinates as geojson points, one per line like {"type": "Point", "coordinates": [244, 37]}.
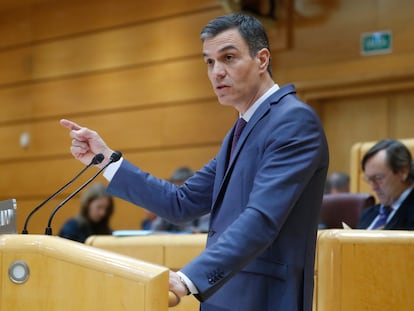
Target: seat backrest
{"type": "Point", "coordinates": [343, 207]}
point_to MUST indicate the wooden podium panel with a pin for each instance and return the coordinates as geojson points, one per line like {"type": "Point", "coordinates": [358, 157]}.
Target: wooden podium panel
{"type": "Point", "coordinates": [362, 270]}
{"type": "Point", "coordinates": [170, 250]}
{"type": "Point", "coordinates": [66, 275]}
{"type": "Point", "coordinates": [147, 248]}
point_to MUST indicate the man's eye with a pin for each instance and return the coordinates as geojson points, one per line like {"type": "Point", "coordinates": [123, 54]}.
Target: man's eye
{"type": "Point", "coordinates": [229, 57]}
{"type": "Point", "coordinates": [209, 62]}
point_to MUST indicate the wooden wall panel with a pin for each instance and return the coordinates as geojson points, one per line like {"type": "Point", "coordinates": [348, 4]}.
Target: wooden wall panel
{"type": "Point", "coordinates": [15, 65]}
{"type": "Point", "coordinates": [25, 21]}
{"type": "Point", "coordinates": [15, 25]}
{"type": "Point", "coordinates": [99, 51]}
{"type": "Point", "coordinates": [360, 76]}
{"type": "Point", "coordinates": [162, 163]}
{"type": "Point", "coordinates": [69, 17]}
{"type": "Point", "coordinates": [345, 121]}
{"type": "Point", "coordinates": [333, 35]}
{"type": "Point", "coordinates": [204, 122]}
{"type": "Point", "coordinates": [401, 114]}
{"type": "Point", "coordinates": [368, 117]}
{"type": "Point", "coordinates": [164, 83]}
{"type": "Point", "coordinates": [396, 16]}
{"type": "Point", "coordinates": [39, 178]}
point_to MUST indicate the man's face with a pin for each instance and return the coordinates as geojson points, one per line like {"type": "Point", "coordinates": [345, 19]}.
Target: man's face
{"type": "Point", "coordinates": [234, 74]}
{"type": "Point", "coordinates": [387, 185]}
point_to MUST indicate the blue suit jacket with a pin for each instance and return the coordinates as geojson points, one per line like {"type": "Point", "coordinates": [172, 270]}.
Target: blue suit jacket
{"type": "Point", "coordinates": [403, 218]}
{"type": "Point", "coordinates": [264, 206]}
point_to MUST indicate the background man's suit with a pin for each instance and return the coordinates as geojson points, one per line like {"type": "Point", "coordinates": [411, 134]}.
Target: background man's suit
{"type": "Point", "coordinates": [264, 206]}
{"type": "Point", "coordinates": [403, 218]}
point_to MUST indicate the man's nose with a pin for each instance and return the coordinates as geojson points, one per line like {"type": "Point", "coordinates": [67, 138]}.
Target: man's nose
{"type": "Point", "coordinates": [218, 70]}
{"type": "Point", "coordinates": [374, 186]}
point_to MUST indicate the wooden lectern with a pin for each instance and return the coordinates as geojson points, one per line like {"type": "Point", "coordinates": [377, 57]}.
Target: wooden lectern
{"type": "Point", "coordinates": [364, 270]}
{"type": "Point", "coordinates": [48, 273]}
{"type": "Point", "coordinates": [355, 270]}
{"type": "Point", "coordinates": [170, 250]}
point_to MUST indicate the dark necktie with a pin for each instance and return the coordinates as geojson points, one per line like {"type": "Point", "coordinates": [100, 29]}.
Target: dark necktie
{"type": "Point", "coordinates": [241, 123]}
{"type": "Point", "coordinates": [381, 221]}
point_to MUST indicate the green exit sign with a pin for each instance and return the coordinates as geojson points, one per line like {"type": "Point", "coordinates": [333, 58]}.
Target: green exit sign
{"type": "Point", "coordinates": [379, 42]}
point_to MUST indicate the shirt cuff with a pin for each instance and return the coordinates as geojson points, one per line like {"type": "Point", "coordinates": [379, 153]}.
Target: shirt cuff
{"type": "Point", "coordinates": [111, 170]}
{"type": "Point", "coordinates": [188, 282]}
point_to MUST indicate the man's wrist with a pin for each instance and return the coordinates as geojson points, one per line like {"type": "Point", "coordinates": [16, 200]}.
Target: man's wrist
{"type": "Point", "coordinates": [185, 285]}
{"type": "Point", "coordinates": [110, 171]}
{"type": "Point", "coordinates": [188, 282]}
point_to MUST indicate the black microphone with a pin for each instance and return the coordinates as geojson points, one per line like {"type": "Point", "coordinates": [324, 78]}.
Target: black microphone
{"type": "Point", "coordinates": [98, 158]}
{"type": "Point", "coordinates": [113, 158]}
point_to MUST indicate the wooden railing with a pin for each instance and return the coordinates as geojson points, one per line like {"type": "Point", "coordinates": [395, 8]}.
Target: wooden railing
{"type": "Point", "coordinates": [354, 269]}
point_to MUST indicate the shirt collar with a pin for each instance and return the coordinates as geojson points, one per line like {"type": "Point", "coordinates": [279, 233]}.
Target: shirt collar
{"type": "Point", "coordinates": [396, 205]}
{"type": "Point", "coordinates": [248, 114]}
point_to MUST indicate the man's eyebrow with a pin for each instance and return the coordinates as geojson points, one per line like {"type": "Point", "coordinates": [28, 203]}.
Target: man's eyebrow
{"type": "Point", "coordinates": [223, 49]}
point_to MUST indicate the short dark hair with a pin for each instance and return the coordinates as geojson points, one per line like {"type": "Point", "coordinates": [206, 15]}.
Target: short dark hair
{"type": "Point", "coordinates": [397, 156]}
{"type": "Point", "coordinates": [337, 180]}
{"type": "Point", "coordinates": [250, 29]}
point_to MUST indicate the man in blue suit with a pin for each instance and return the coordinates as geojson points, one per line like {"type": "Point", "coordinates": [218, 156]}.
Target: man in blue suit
{"type": "Point", "coordinates": [388, 168]}
{"type": "Point", "coordinates": [264, 196]}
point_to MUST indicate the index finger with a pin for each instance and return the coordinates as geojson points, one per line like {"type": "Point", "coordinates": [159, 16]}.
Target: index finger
{"type": "Point", "coordinates": [70, 124]}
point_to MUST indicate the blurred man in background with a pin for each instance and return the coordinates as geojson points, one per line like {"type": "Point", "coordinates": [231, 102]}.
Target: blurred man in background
{"type": "Point", "coordinates": [388, 168]}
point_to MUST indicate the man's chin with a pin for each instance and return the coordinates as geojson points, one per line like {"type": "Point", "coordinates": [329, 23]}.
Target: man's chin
{"type": "Point", "coordinates": [225, 101]}
{"type": "Point", "coordinates": [383, 202]}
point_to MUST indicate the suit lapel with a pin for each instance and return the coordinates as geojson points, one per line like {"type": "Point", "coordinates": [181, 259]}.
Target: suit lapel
{"type": "Point", "coordinates": [401, 214]}
{"type": "Point", "coordinates": [221, 165]}
{"type": "Point", "coordinates": [257, 116]}
{"type": "Point", "coordinates": [224, 151]}
{"type": "Point", "coordinates": [370, 215]}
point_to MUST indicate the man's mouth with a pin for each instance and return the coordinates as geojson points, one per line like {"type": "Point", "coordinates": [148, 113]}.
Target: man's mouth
{"type": "Point", "coordinates": [222, 87]}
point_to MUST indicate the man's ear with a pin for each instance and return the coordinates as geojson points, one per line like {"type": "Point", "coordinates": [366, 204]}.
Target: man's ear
{"type": "Point", "coordinates": [263, 59]}
{"type": "Point", "coordinates": [404, 173]}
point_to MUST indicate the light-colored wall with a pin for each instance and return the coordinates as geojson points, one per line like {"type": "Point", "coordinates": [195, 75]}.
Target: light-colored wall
{"type": "Point", "coordinates": [133, 71]}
